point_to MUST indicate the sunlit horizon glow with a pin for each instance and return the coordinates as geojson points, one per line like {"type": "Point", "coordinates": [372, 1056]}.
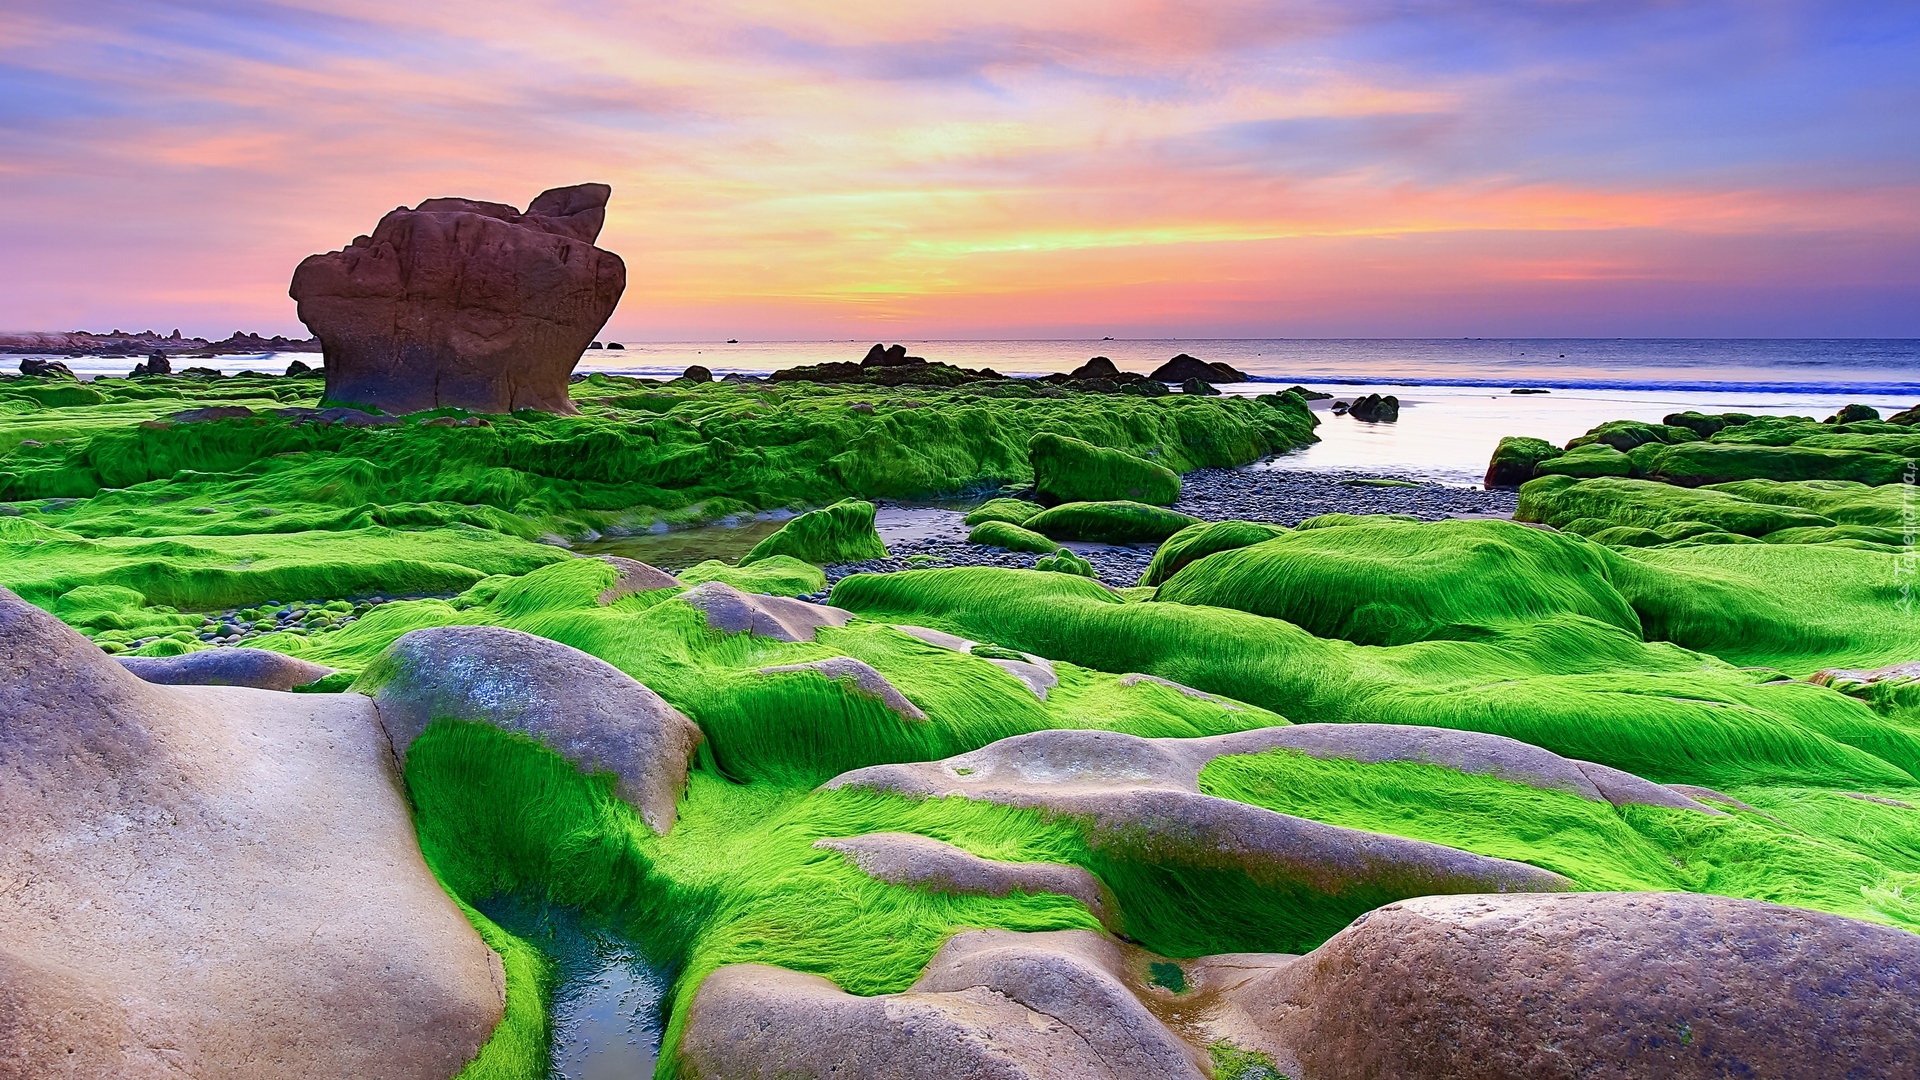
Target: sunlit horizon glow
{"type": "Point", "coordinates": [992, 169]}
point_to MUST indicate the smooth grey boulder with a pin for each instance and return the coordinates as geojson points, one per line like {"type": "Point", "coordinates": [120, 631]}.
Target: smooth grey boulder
{"type": "Point", "coordinates": [864, 678]}
{"type": "Point", "coordinates": [214, 881]}
{"type": "Point", "coordinates": [922, 862]}
{"type": "Point", "coordinates": [1594, 986]}
{"type": "Point", "coordinates": [992, 1005]}
{"type": "Point", "coordinates": [1140, 800]}
{"type": "Point", "coordinates": [261, 669]}
{"type": "Point", "coordinates": [1036, 673]}
{"type": "Point", "coordinates": [778, 617]}
{"type": "Point", "coordinates": [585, 709]}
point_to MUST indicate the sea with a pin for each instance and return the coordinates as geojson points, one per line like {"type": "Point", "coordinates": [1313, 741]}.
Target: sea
{"type": "Point", "coordinates": [1456, 399]}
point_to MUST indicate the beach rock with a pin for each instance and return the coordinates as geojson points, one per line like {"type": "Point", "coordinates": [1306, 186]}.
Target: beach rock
{"type": "Point", "coordinates": [1198, 386]}
{"type": "Point", "coordinates": [1140, 801]}
{"type": "Point", "coordinates": [992, 1005]}
{"type": "Point", "coordinates": [1035, 672]}
{"type": "Point", "coordinates": [1184, 367]}
{"type": "Point", "coordinates": [1306, 394]}
{"type": "Point", "coordinates": [697, 373]}
{"type": "Point", "coordinates": [1585, 462]}
{"type": "Point", "coordinates": [840, 533]}
{"type": "Point", "coordinates": [259, 668]}
{"type": "Point", "coordinates": [937, 866]}
{"type": "Point", "coordinates": [1906, 417]}
{"type": "Point", "coordinates": [461, 303]}
{"type": "Point", "coordinates": [1375, 409]}
{"type": "Point", "coordinates": [585, 709]}
{"type": "Point", "coordinates": [1118, 521]}
{"type": "Point", "coordinates": [1854, 414]}
{"type": "Point", "coordinates": [211, 412]}
{"type": "Point", "coordinates": [1068, 470]}
{"type": "Point", "coordinates": [778, 617]}
{"type": "Point", "coordinates": [36, 366]}
{"type": "Point", "coordinates": [1598, 986]}
{"type": "Point", "coordinates": [297, 369]}
{"type": "Point", "coordinates": [1517, 460]}
{"type": "Point", "coordinates": [890, 356]}
{"type": "Point", "coordinates": [214, 881]}
{"type": "Point", "coordinates": [1097, 368]}
{"type": "Point", "coordinates": [865, 680]}
{"type": "Point", "coordinates": [635, 577]}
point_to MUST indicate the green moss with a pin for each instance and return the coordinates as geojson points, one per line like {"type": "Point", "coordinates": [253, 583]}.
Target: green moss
{"type": "Point", "coordinates": [839, 533]}
{"type": "Point", "coordinates": [1624, 435]}
{"type": "Point", "coordinates": [1199, 541]}
{"type": "Point", "coordinates": [1109, 522]}
{"type": "Point", "coordinates": [1592, 459]}
{"type": "Point", "coordinates": [1561, 501]}
{"type": "Point", "coordinates": [1715, 463]}
{"type": "Point", "coordinates": [1011, 511]}
{"type": "Point", "coordinates": [1230, 1062]}
{"type": "Point", "coordinates": [1002, 534]}
{"type": "Point", "coordinates": [1065, 562]}
{"type": "Point", "coordinates": [777, 575]}
{"type": "Point", "coordinates": [1068, 470]}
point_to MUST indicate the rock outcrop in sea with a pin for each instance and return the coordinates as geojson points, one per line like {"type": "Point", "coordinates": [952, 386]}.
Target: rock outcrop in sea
{"type": "Point", "coordinates": [463, 303]}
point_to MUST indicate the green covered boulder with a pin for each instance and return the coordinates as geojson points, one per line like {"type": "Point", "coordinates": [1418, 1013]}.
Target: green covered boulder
{"type": "Point", "coordinates": [1593, 459]}
{"type": "Point", "coordinates": [1717, 462]}
{"type": "Point", "coordinates": [1119, 522]}
{"type": "Point", "coordinates": [1517, 460]}
{"type": "Point", "coordinates": [839, 533]}
{"type": "Point", "coordinates": [1624, 435]}
{"type": "Point", "coordinates": [774, 575]}
{"type": "Point", "coordinates": [1013, 511]}
{"type": "Point", "coordinates": [1004, 534]}
{"type": "Point", "coordinates": [1564, 503]}
{"type": "Point", "coordinates": [1199, 541]}
{"type": "Point", "coordinates": [1065, 562]}
{"type": "Point", "coordinates": [1069, 470]}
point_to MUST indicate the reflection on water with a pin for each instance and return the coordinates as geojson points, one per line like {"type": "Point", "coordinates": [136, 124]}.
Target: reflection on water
{"type": "Point", "coordinates": [608, 1000]}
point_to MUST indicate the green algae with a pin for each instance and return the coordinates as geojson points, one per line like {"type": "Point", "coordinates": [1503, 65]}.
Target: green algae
{"type": "Point", "coordinates": [1003, 534]}
{"type": "Point", "coordinates": [842, 532]}
{"type": "Point", "coordinates": [1119, 522]}
{"type": "Point", "coordinates": [1069, 470]}
{"type": "Point", "coordinates": [1011, 511]}
{"type": "Point", "coordinates": [1199, 541]}
{"type": "Point", "coordinates": [776, 575]}
{"type": "Point", "coordinates": [1065, 562]}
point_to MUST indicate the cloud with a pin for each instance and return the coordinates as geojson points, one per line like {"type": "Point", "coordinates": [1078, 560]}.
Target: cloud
{"type": "Point", "coordinates": [808, 167]}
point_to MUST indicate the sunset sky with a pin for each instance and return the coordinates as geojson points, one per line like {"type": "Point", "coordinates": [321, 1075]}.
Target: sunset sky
{"type": "Point", "coordinates": [995, 168]}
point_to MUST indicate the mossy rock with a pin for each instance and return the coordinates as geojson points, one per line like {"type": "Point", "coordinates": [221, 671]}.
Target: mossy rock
{"type": "Point", "coordinates": [1003, 534]}
{"type": "Point", "coordinates": [1199, 541]}
{"type": "Point", "coordinates": [1593, 459]}
{"type": "Point", "coordinates": [1065, 562]}
{"type": "Point", "coordinates": [1012, 511]}
{"type": "Point", "coordinates": [1706, 425]}
{"type": "Point", "coordinates": [1119, 522]}
{"type": "Point", "coordinates": [1624, 435]}
{"type": "Point", "coordinates": [776, 575]}
{"type": "Point", "coordinates": [1717, 462]}
{"type": "Point", "coordinates": [1068, 470]}
{"type": "Point", "coordinates": [839, 533]}
{"type": "Point", "coordinates": [1393, 583]}
{"type": "Point", "coordinates": [1567, 503]}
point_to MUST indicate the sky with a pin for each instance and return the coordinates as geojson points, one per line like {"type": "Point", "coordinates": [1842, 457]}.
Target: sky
{"type": "Point", "coordinates": [804, 169]}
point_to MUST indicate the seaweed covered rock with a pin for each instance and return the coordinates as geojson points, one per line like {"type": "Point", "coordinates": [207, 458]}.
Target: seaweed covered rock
{"type": "Point", "coordinates": [1706, 425]}
{"type": "Point", "coordinates": [1012, 511]}
{"type": "Point", "coordinates": [1375, 409]}
{"type": "Point", "coordinates": [842, 532]}
{"type": "Point", "coordinates": [1716, 462]}
{"type": "Point", "coordinates": [1184, 367]}
{"type": "Point", "coordinates": [247, 868]}
{"type": "Point", "coordinates": [1613, 985]}
{"type": "Point", "coordinates": [1071, 470]}
{"type": "Point", "coordinates": [775, 575]}
{"type": "Point", "coordinates": [257, 668]}
{"type": "Point", "coordinates": [1517, 460]}
{"type": "Point", "coordinates": [1564, 502]}
{"type": "Point", "coordinates": [1592, 459]}
{"type": "Point", "coordinates": [781, 618]}
{"type": "Point", "coordinates": [1383, 582]}
{"type": "Point", "coordinates": [1199, 387]}
{"type": "Point", "coordinates": [585, 709]}
{"type": "Point", "coordinates": [1201, 540]}
{"type": "Point", "coordinates": [462, 303]}
{"type": "Point", "coordinates": [1065, 562]}
{"type": "Point", "coordinates": [1853, 414]}
{"type": "Point", "coordinates": [1624, 435]}
{"type": "Point", "coordinates": [1011, 537]}
{"type": "Point", "coordinates": [926, 863]}
{"type": "Point", "coordinates": [1120, 522]}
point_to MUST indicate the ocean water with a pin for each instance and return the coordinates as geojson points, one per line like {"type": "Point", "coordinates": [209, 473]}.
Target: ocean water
{"type": "Point", "coordinates": [1454, 393]}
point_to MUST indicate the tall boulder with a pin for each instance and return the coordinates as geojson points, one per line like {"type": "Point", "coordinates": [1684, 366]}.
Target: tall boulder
{"type": "Point", "coordinates": [462, 303]}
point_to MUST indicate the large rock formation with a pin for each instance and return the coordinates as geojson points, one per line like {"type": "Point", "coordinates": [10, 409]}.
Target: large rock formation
{"type": "Point", "coordinates": [458, 302]}
{"type": "Point", "coordinates": [214, 881]}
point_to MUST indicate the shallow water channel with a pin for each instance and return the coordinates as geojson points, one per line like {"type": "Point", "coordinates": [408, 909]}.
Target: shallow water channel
{"type": "Point", "coordinates": [608, 1005]}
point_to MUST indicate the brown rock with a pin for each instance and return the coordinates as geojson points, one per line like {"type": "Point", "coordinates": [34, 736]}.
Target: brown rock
{"type": "Point", "coordinates": [588, 711]}
{"type": "Point", "coordinates": [461, 303]}
{"type": "Point", "coordinates": [1598, 986]}
{"type": "Point", "coordinates": [992, 1005]}
{"type": "Point", "coordinates": [635, 577]}
{"type": "Point", "coordinates": [923, 862]}
{"type": "Point", "coordinates": [864, 679]}
{"type": "Point", "coordinates": [261, 669]}
{"type": "Point", "coordinates": [778, 617]}
{"type": "Point", "coordinates": [214, 882]}
{"type": "Point", "coordinates": [1184, 367]}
